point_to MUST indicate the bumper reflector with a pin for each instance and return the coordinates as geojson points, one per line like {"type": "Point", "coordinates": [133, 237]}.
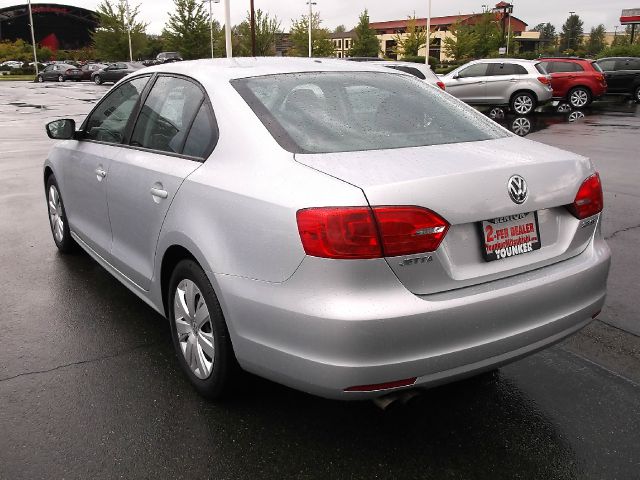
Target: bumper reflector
{"type": "Point", "coordinates": [382, 386]}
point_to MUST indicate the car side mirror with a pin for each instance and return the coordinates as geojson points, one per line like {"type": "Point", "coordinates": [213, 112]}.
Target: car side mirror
{"type": "Point", "coordinates": [64, 129]}
{"type": "Point", "coordinates": [456, 76]}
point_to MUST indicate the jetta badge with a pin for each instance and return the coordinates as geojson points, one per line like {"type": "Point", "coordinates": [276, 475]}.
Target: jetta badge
{"type": "Point", "coordinates": [517, 189]}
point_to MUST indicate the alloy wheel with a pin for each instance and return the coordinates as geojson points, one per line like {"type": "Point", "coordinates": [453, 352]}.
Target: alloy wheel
{"type": "Point", "coordinates": [55, 214]}
{"type": "Point", "coordinates": [521, 126]}
{"type": "Point", "coordinates": [638, 94]}
{"type": "Point", "coordinates": [523, 104]}
{"type": "Point", "coordinates": [579, 98]}
{"type": "Point", "coordinates": [60, 78]}
{"type": "Point", "coordinates": [40, 79]}
{"type": "Point", "coordinates": [194, 328]}
{"type": "Point", "coordinates": [97, 80]}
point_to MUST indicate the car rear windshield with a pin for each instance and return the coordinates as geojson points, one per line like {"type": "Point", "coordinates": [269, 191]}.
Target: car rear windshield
{"type": "Point", "coordinates": [321, 112]}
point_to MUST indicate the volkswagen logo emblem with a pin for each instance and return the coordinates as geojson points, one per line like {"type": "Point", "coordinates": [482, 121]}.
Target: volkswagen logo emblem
{"type": "Point", "coordinates": [517, 188]}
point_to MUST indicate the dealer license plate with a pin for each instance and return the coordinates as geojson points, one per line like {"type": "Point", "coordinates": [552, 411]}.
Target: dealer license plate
{"type": "Point", "coordinates": [510, 236]}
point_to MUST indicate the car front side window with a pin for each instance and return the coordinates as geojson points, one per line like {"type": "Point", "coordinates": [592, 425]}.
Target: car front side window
{"type": "Point", "coordinates": [167, 114]}
{"type": "Point", "coordinates": [107, 123]}
{"type": "Point", "coordinates": [477, 70]}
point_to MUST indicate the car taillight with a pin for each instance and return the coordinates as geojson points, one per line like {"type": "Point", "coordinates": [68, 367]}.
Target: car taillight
{"type": "Point", "coordinates": [589, 200]}
{"type": "Point", "coordinates": [544, 80]}
{"type": "Point", "coordinates": [363, 232]}
{"type": "Point", "coordinates": [441, 85]}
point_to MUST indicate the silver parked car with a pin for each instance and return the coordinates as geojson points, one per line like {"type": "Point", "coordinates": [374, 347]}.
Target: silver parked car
{"type": "Point", "coordinates": [520, 84]}
{"type": "Point", "coordinates": [419, 70]}
{"type": "Point", "coordinates": [336, 227]}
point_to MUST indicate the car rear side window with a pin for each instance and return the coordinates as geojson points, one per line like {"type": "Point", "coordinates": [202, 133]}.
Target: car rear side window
{"type": "Point", "coordinates": [167, 114]}
{"type": "Point", "coordinates": [107, 123]}
{"type": "Point", "coordinates": [542, 68]}
{"type": "Point", "coordinates": [497, 69]}
{"type": "Point", "coordinates": [413, 71]}
{"type": "Point", "coordinates": [203, 134]}
{"type": "Point", "coordinates": [634, 64]}
{"type": "Point", "coordinates": [354, 111]}
{"type": "Point", "coordinates": [564, 67]}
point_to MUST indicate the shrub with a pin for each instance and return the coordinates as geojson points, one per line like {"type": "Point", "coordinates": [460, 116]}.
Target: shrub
{"type": "Point", "coordinates": [621, 51]}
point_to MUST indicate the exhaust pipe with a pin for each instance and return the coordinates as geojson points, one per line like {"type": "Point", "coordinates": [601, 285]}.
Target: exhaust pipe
{"type": "Point", "coordinates": [396, 398]}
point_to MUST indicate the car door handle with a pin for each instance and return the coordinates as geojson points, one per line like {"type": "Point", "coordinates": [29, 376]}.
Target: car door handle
{"type": "Point", "coordinates": [100, 173]}
{"type": "Point", "coordinates": [159, 193]}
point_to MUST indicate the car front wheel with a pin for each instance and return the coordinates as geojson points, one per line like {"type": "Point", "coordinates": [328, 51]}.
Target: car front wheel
{"type": "Point", "coordinates": [579, 97]}
{"type": "Point", "coordinates": [40, 79]}
{"type": "Point", "coordinates": [199, 332]}
{"type": "Point", "coordinates": [636, 95]}
{"type": "Point", "coordinates": [58, 217]}
{"type": "Point", "coordinates": [97, 80]}
{"type": "Point", "coordinates": [523, 103]}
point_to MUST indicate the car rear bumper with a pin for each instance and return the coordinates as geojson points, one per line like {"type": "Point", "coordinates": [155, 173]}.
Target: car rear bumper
{"type": "Point", "coordinates": [339, 324]}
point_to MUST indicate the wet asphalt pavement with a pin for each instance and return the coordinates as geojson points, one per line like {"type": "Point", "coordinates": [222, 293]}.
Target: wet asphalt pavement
{"type": "Point", "coordinates": [89, 387]}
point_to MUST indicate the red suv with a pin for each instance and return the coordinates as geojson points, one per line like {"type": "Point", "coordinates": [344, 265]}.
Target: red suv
{"type": "Point", "coordinates": [576, 80]}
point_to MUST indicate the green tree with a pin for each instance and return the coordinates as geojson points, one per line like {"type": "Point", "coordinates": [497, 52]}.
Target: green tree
{"type": "Point", "coordinates": [187, 30]}
{"type": "Point", "coordinates": [488, 36]}
{"type": "Point", "coordinates": [596, 42]}
{"type": "Point", "coordinates": [110, 38]}
{"type": "Point", "coordinates": [16, 50]}
{"type": "Point", "coordinates": [462, 44]}
{"type": "Point", "coordinates": [571, 35]}
{"type": "Point", "coordinates": [340, 29]}
{"type": "Point", "coordinates": [365, 43]}
{"type": "Point", "coordinates": [322, 46]}
{"type": "Point", "coordinates": [548, 36]}
{"type": "Point", "coordinates": [266, 30]}
{"type": "Point", "coordinates": [414, 39]}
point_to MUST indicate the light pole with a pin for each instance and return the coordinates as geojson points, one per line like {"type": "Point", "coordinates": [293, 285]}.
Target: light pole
{"type": "Point", "coordinates": [510, 11]}
{"type": "Point", "coordinates": [253, 30]}
{"type": "Point", "coordinates": [227, 28]}
{"type": "Point", "coordinates": [426, 57]}
{"type": "Point", "coordinates": [211, 22]}
{"type": "Point", "coordinates": [129, 30]}
{"type": "Point", "coordinates": [310, 3]}
{"type": "Point", "coordinates": [33, 40]}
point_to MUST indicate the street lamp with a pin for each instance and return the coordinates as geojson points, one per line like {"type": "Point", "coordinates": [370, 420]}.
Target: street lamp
{"type": "Point", "coordinates": [211, 22]}
{"type": "Point", "coordinates": [310, 3]}
{"type": "Point", "coordinates": [33, 40]}
{"type": "Point", "coordinates": [571, 14]}
{"type": "Point", "coordinates": [129, 30]}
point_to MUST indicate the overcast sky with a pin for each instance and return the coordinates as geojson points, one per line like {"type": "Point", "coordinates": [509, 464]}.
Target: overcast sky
{"type": "Point", "coordinates": [336, 12]}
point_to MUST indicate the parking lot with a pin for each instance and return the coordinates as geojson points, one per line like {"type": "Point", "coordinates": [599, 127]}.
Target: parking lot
{"type": "Point", "coordinates": [89, 387]}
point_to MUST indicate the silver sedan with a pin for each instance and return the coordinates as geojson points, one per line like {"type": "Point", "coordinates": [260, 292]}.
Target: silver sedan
{"type": "Point", "coordinates": [335, 227]}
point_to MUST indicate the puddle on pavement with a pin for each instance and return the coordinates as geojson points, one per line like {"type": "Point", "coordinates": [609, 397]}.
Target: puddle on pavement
{"type": "Point", "coordinates": [28, 105]}
{"type": "Point", "coordinates": [599, 114]}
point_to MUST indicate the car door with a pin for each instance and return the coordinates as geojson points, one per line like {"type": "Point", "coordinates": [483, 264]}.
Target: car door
{"type": "Point", "coordinates": [46, 73]}
{"type": "Point", "coordinates": [86, 170]}
{"type": "Point", "coordinates": [145, 179]}
{"type": "Point", "coordinates": [499, 78]}
{"type": "Point", "coordinates": [624, 75]}
{"type": "Point", "coordinates": [469, 83]}
{"type": "Point", "coordinates": [562, 77]}
{"type": "Point", "coordinates": [608, 66]}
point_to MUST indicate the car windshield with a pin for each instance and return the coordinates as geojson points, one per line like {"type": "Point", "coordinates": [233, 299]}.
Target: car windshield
{"type": "Point", "coordinates": [323, 112]}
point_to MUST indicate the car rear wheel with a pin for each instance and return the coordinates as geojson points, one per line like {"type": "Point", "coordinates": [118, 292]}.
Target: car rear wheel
{"type": "Point", "coordinates": [523, 103]}
{"type": "Point", "coordinates": [60, 78]}
{"type": "Point", "coordinates": [579, 97]}
{"type": "Point", "coordinates": [636, 95]}
{"type": "Point", "coordinates": [58, 217]}
{"type": "Point", "coordinates": [97, 80]}
{"type": "Point", "coordinates": [199, 332]}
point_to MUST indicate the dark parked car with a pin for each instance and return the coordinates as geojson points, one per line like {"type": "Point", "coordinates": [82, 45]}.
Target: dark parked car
{"type": "Point", "coordinates": [576, 80]}
{"type": "Point", "coordinates": [59, 72]}
{"type": "Point", "coordinates": [89, 69]}
{"type": "Point", "coordinates": [115, 72]}
{"type": "Point", "coordinates": [168, 57]}
{"type": "Point", "coordinates": [622, 74]}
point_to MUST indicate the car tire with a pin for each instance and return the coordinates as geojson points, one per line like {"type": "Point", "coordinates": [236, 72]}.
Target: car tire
{"type": "Point", "coordinates": [40, 79]}
{"type": "Point", "coordinates": [523, 103]}
{"type": "Point", "coordinates": [636, 94]}
{"type": "Point", "coordinates": [58, 217]}
{"type": "Point", "coordinates": [97, 80]}
{"type": "Point", "coordinates": [579, 97]}
{"type": "Point", "coordinates": [204, 350]}
{"type": "Point", "coordinates": [60, 78]}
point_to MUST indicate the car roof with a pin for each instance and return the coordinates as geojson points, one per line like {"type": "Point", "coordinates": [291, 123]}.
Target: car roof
{"type": "Point", "coordinates": [570, 59]}
{"type": "Point", "coordinates": [503, 60]}
{"type": "Point", "coordinates": [245, 67]}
